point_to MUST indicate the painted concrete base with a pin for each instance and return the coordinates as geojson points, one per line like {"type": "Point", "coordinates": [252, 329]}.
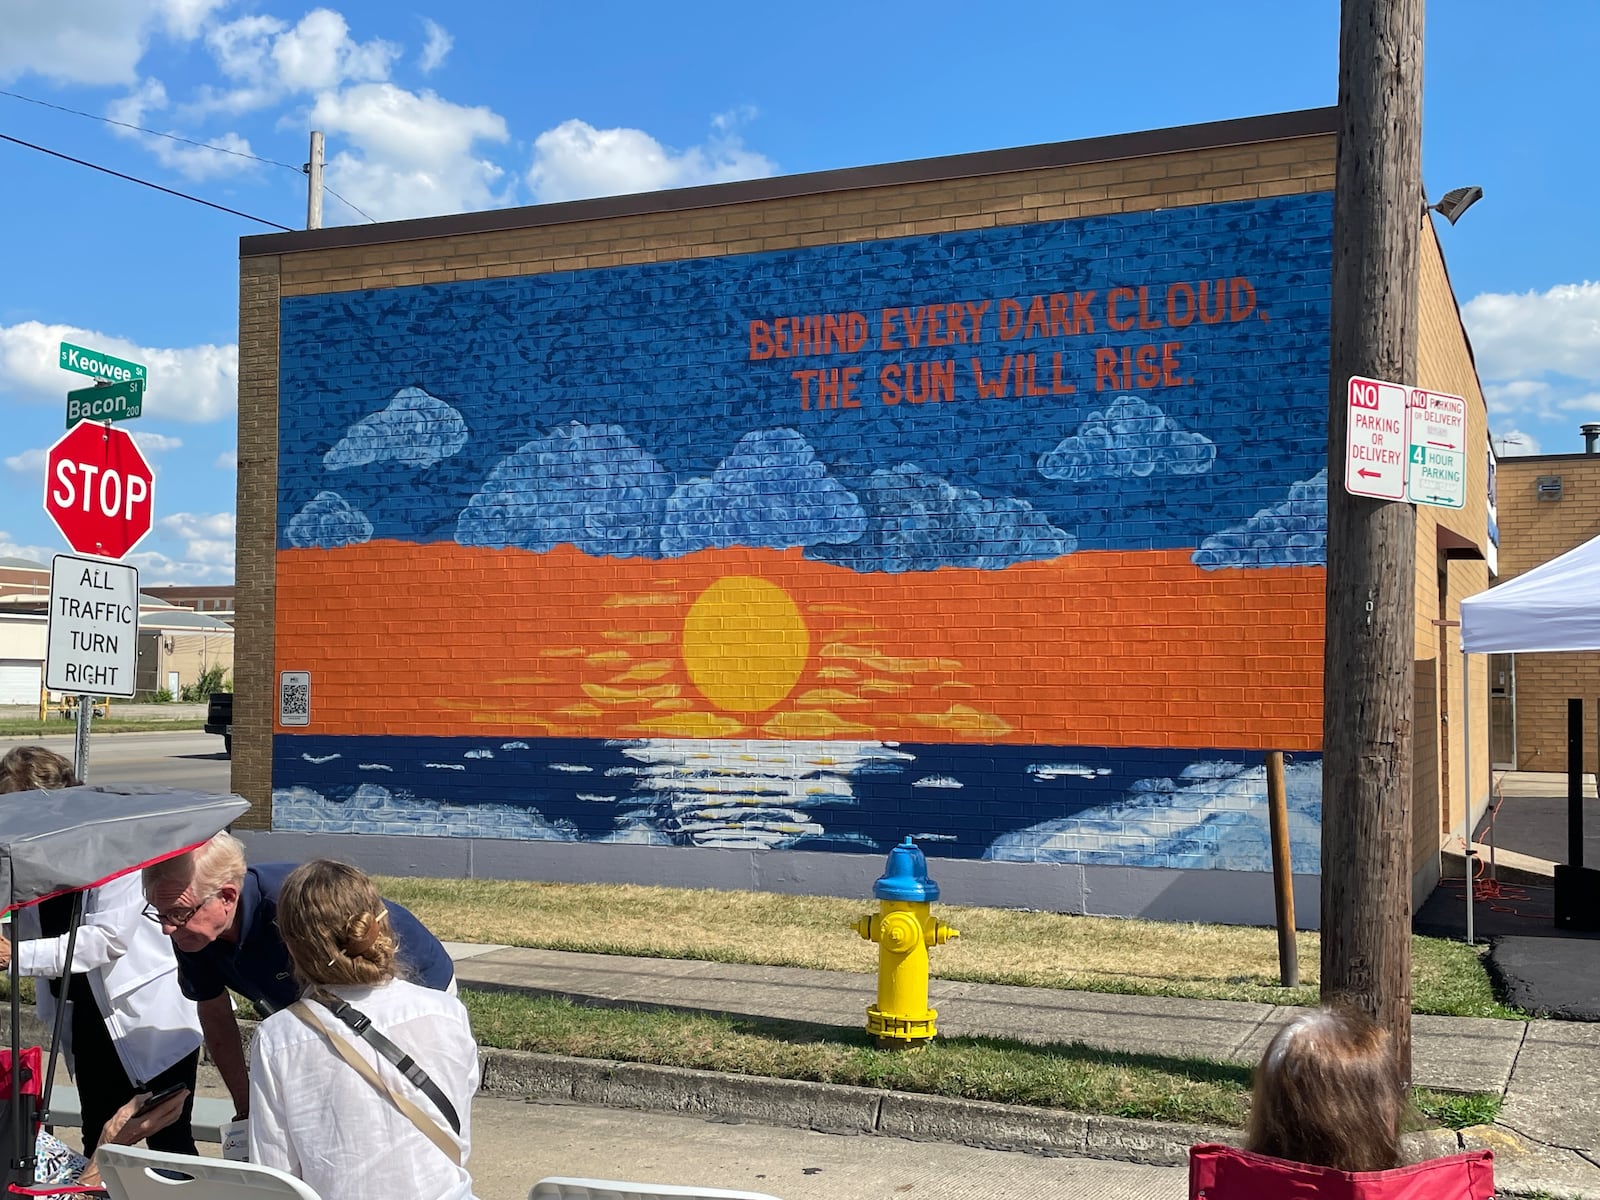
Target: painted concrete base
{"type": "Point", "coordinates": [1226, 897]}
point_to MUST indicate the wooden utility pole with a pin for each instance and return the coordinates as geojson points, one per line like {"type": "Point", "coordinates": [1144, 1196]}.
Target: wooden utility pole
{"type": "Point", "coordinates": [1371, 603]}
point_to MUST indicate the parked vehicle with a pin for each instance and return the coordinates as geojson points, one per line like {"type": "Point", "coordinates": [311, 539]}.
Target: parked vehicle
{"type": "Point", "coordinates": [219, 718]}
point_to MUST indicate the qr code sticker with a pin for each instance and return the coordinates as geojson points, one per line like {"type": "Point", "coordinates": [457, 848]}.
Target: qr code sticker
{"type": "Point", "coordinates": [294, 698]}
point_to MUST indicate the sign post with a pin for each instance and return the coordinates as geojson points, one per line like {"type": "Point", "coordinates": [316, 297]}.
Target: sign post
{"type": "Point", "coordinates": [99, 491]}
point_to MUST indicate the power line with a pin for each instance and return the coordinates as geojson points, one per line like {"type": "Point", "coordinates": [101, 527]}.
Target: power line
{"type": "Point", "coordinates": [144, 182]}
{"type": "Point", "coordinates": [271, 162]}
{"type": "Point", "coordinates": [173, 137]}
{"type": "Point", "coordinates": [342, 200]}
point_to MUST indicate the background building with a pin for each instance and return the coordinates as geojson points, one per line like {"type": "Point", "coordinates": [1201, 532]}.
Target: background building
{"type": "Point", "coordinates": [1548, 504]}
{"type": "Point", "coordinates": [725, 536]}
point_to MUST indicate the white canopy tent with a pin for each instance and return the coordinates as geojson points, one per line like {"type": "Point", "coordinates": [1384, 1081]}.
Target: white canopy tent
{"type": "Point", "coordinates": [1551, 608]}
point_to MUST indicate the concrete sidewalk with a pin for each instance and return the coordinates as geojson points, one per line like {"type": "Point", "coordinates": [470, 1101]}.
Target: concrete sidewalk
{"type": "Point", "coordinates": [1547, 1139]}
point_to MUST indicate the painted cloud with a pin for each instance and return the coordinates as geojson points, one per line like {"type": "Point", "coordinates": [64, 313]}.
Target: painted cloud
{"type": "Point", "coordinates": [414, 430]}
{"type": "Point", "coordinates": [1291, 533]}
{"type": "Point", "coordinates": [327, 520]}
{"type": "Point", "coordinates": [919, 522]}
{"type": "Point", "coordinates": [1132, 438]}
{"type": "Point", "coordinates": [587, 485]}
{"type": "Point", "coordinates": [770, 491]}
{"type": "Point", "coordinates": [1214, 815]}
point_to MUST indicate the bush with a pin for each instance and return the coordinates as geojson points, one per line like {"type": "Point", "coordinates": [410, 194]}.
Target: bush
{"type": "Point", "coordinates": [162, 696]}
{"type": "Point", "coordinates": [213, 679]}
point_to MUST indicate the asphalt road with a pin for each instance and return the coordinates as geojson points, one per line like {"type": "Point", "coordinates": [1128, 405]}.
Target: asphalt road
{"type": "Point", "coordinates": [515, 1145]}
{"type": "Point", "coordinates": [188, 760]}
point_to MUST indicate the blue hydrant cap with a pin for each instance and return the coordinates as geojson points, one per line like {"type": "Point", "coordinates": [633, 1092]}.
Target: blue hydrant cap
{"type": "Point", "coordinates": [905, 877]}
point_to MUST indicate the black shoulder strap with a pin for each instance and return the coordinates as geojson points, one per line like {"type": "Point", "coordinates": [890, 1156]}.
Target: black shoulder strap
{"type": "Point", "coordinates": [359, 1022]}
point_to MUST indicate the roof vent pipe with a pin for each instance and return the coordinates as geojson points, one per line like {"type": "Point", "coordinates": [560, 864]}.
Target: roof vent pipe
{"type": "Point", "coordinates": [1591, 435]}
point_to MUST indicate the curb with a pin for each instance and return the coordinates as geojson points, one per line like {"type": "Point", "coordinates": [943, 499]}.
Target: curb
{"type": "Point", "coordinates": [1522, 1168]}
{"type": "Point", "coordinates": [837, 1108]}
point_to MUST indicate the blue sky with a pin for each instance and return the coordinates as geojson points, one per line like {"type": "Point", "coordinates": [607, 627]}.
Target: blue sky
{"type": "Point", "coordinates": [431, 109]}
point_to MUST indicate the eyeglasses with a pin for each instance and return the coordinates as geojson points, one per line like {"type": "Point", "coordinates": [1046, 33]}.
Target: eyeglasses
{"type": "Point", "coordinates": [176, 917]}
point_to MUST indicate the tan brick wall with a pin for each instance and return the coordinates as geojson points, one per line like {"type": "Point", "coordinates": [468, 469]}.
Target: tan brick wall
{"type": "Point", "coordinates": [1131, 185]}
{"type": "Point", "coordinates": [256, 539]}
{"type": "Point", "coordinates": [1444, 364]}
{"type": "Point", "coordinates": [1532, 532]}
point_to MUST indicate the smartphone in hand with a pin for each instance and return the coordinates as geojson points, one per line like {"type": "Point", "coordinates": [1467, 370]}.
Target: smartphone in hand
{"type": "Point", "coordinates": [157, 1099]}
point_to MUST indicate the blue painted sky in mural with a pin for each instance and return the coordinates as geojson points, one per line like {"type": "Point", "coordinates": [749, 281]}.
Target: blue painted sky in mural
{"type": "Point", "coordinates": [646, 410]}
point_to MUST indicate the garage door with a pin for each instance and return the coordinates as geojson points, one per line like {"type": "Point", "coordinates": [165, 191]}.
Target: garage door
{"type": "Point", "coordinates": [19, 681]}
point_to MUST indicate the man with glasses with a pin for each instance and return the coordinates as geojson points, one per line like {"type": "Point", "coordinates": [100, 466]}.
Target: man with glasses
{"type": "Point", "coordinates": [222, 918]}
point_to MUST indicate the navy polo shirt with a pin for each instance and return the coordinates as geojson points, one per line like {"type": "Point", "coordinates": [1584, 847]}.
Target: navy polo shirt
{"type": "Point", "coordinates": [258, 964]}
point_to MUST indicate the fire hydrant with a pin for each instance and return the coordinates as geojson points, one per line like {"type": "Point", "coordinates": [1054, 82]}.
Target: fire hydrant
{"type": "Point", "coordinates": [904, 929]}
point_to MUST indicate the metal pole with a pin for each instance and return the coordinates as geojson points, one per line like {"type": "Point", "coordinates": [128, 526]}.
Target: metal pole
{"type": "Point", "coordinates": [314, 182]}
{"type": "Point", "coordinates": [1282, 870]}
{"type": "Point", "coordinates": [1466, 799]}
{"type": "Point", "coordinates": [80, 742]}
{"type": "Point", "coordinates": [1575, 782]}
{"type": "Point", "coordinates": [57, 1034]}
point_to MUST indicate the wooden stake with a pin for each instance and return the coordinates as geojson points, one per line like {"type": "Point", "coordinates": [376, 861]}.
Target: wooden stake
{"type": "Point", "coordinates": [1282, 871]}
{"type": "Point", "coordinates": [1371, 604]}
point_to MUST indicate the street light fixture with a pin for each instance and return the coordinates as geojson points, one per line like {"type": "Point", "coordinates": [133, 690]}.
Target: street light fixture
{"type": "Point", "coordinates": [1455, 202]}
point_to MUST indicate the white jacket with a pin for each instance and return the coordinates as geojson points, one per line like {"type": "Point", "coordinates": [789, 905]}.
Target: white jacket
{"type": "Point", "coordinates": [132, 973]}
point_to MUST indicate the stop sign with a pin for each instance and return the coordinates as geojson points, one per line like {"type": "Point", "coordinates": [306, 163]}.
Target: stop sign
{"type": "Point", "coordinates": [99, 490]}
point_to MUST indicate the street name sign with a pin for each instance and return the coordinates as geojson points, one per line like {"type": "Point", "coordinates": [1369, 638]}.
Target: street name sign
{"type": "Point", "coordinates": [1436, 456]}
{"type": "Point", "coordinates": [99, 364]}
{"type": "Point", "coordinates": [1375, 439]}
{"type": "Point", "coordinates": [106, 402]}
{"type": "Point", "coordinates": [93, 640]}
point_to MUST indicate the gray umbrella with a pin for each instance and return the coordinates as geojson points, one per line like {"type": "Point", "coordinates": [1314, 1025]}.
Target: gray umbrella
{"type": "Point", "coordinates": [79, 837]}
{"type": "Point", "coordinates": [66, 841]}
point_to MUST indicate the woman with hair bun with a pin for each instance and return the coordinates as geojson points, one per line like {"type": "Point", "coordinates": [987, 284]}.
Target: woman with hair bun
{"type": "Point", "coordinates": [327, 1101]}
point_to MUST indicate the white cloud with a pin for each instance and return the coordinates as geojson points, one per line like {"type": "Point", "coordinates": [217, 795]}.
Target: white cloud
{"type": "Point", "coordinates": [575, 160]}
{"type": "Point", "coordinates": [319, 53]}
{"type": "Point", "coordinates": [38, 554]}
{"type": "Point", "coordinates": [228, 460]}
{"type": "Point", "coordinates": [1514, 442]}
{"type": "Point", "coordinates": [1534, 333]}
{"type": "Point", "coordinates": [414, 152]}
{"type": "Point", "coordinates": [437, 47]}
{"type": "Point", "coordinates": [192, 383]}
{"type": "Point", "coordinates": [199, 526]}
{"type": "Point", "coordinates": [97, 42]}
{"type": "Point", "coordinates": [155, 443]}
{"type": "Point", "coordinates": [207, 555]}
{"type": "Point", "coordinates": [193, 162]}
{"type": "Point", "coordinates": [29, 462]}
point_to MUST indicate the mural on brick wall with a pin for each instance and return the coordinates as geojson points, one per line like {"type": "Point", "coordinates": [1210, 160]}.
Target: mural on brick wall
{"type": "Point", "coordinates": [1011, 539]}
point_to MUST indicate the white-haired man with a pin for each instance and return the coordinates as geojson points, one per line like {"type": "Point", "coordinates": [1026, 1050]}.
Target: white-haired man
{"type": "Point", "coordinates": [221, 914]}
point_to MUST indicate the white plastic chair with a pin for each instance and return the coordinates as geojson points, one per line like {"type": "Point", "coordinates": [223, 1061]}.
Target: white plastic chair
{"type": "Point", "coordinates": [558, 1188]}
{"type": "Point", "coordinates": [128, 1173]}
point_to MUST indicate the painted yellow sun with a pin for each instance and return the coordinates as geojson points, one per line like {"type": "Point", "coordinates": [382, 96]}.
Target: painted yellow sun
{"type": "Point", "coordinates": [745, 644]}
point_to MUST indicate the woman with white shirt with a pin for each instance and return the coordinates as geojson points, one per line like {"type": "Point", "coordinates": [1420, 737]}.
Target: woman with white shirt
{"type": "Point", "coordinates": [130, 1029]}
{"type": "Point", "coordinates": [326, 1102]}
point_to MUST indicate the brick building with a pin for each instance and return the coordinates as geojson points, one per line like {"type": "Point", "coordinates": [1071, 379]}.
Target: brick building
{"type": "Point", "coordinates": [1548, 504]}
{"type": "Point", "coordinates": [725, 536]}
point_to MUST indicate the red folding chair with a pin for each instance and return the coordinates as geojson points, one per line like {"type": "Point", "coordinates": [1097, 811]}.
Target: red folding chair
{"type": "Point", "coordinates": [1224, 1173]}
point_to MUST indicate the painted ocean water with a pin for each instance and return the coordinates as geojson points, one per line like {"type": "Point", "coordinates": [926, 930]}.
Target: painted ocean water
{"type": "Point", "coordinates": [1091, 805]}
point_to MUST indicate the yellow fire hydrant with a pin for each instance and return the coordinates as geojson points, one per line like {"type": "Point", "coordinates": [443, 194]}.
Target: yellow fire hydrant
{"type": "Point", "coordinates": [904, 929]}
